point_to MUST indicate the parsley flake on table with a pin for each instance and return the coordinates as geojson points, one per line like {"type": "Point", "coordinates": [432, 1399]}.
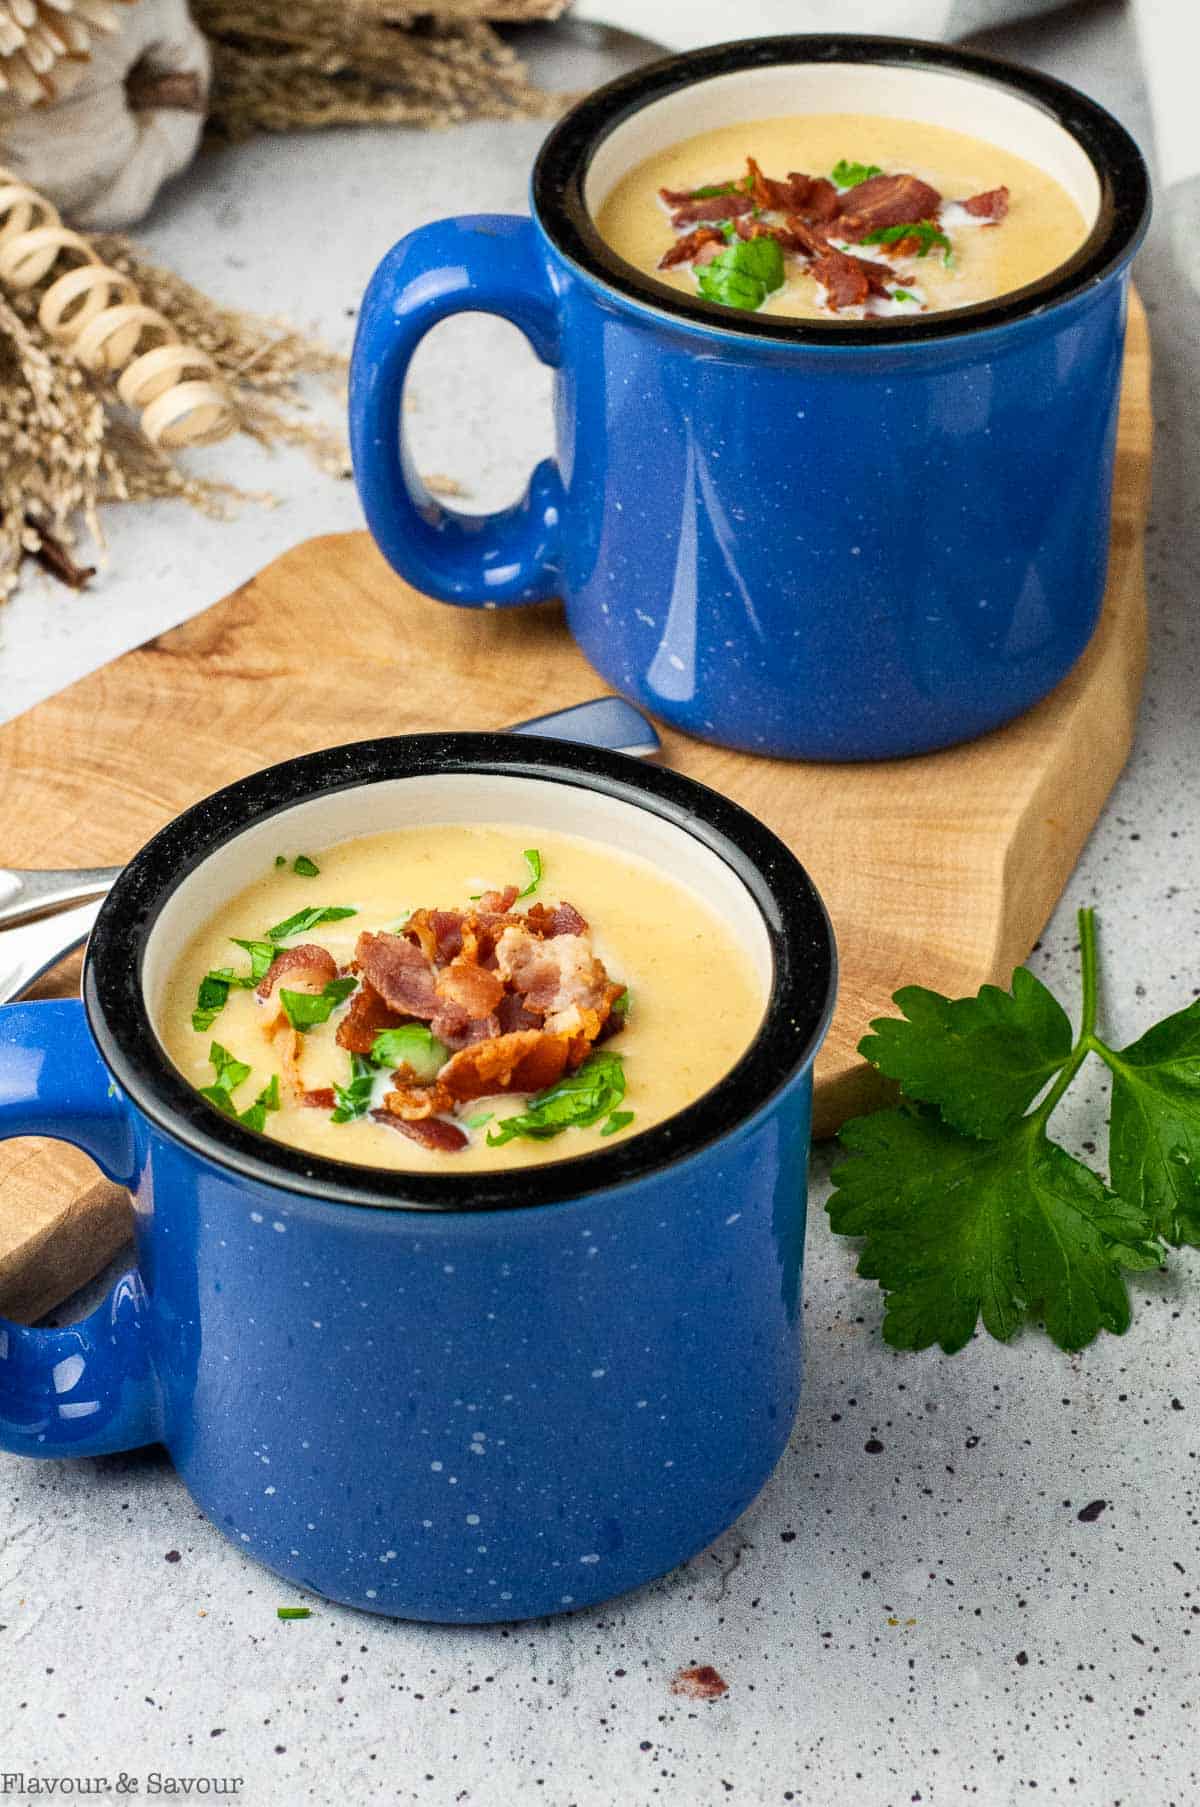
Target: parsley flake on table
{"type": "Point", "coordinates": [970, 1211]}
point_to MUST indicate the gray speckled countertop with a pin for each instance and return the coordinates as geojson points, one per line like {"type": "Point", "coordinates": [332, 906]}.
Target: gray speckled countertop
{"type": "Point", "coordinates": [919, 1608]}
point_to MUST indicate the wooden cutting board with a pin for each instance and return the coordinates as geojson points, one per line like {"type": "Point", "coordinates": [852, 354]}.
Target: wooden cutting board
{"type": "Point", "coordinates": [938, 871]}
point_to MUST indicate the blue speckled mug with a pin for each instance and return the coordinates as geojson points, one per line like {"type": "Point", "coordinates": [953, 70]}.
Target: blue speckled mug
{"type": "Point", "coordinates": [484, 1396]}
{"type": "Point", "coordinates": [815, 538]}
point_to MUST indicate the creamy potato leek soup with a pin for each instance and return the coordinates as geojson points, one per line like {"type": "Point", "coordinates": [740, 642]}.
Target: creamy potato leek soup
{"type": "Point", "coordinates": [841, 214]}
{"type": "Point", "coordinates": [442, 998]}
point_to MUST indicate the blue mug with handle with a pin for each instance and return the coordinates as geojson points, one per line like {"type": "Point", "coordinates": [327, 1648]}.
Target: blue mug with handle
{"type": "Point", "coordinates": [819, 539]}
{"type": "Point", "coordinates": [468, 1397]}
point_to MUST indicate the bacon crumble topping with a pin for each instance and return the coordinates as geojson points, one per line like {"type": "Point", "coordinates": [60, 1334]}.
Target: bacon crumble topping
{"type": "Point", "coordinates": [815, 212]}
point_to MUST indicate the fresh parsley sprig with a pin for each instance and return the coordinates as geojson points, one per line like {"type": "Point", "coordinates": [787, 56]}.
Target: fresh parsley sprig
{"type": "Point", "coordinates": [306, 1010]}
{"type": "Point", "coordinates": [969, 1210]}
{"type": "Point", "coordinates": [925, 232]}
{"type": "Point", "coordinates": [742, 275]}
{"type": "Point", "coordinates": [848, 175]}
{"type": "Point", "coordinates": [581, 1098]}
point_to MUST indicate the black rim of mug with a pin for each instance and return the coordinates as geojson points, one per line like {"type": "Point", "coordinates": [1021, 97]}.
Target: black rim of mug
{"type": "Point", "coordinates": [561, 170]}
{"type": "Point", "coordinates": [796, 1016]}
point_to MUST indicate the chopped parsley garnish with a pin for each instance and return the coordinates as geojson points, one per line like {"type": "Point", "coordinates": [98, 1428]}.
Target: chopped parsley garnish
{"type": "Point", "coordinates": [216, 985]}
{"type": "Point", "coordinates": [303, 867]}
{"type": "Point", "coordinates": [280, 860]}
{"type": "Point", "coordinates": [902, 295]}
{"type": "Point", "coordinates": [307, 1009]}
{"type": "Point", "coordinates": [618, 1120]}
{"type": "Point", "coordinates": [849, 175]}
{"type": "Point", "coordinates": [414, 1045]}
{"type": "Point", "coordinates": [579, 1099]}
{"type": "Point", "coordinates": [267, 1100]}
{"type": "Point", "coordinates": [621, 1006]}
{"type": "Point", "coordinates": [261, 955]}
{"type": "Point", "coordinates": [712, 189]}
{"type": "Point", "coordinates": [230, 1074]}
{"type": "Point", "coordinates": [533, 860]}
{"type": "Point", "coordinates": [742, 275]}
{"type": "Point", "coordinates": [970, 1211]}
{"type": "Point", "coordinates": [478, 1120]}
{"type": "Point", "coordinates": [924, 231]}
{"type": "Point", "coordinates": [293, 1612]}
{"type": "Point", "coordinates": [354, 1100]}
{"type": "Point", "coordinates": [303, 920]}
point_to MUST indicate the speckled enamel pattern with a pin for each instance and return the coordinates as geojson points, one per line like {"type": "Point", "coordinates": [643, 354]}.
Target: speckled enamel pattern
{"type": "Point", "coordinates": [482, 1397]}
{"type": "Point", "coordinates": [804, 539]}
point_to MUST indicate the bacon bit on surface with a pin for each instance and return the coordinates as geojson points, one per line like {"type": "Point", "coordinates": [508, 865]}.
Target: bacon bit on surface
{"type": "Point", "coordinates": [885, 201]}
{"type": "Point", "coordinates": [814, 198]}
{"type": "Point", "coordinates": [711, 207]}
{"type": "Point", "coordinates": [305, 968]}
{"type": "Point", "coordinates": [401, 974]}
{"type": "Point", "coordinates": [552, 975]}
{"type": "Point", "coordinates": [992, 206]}
{"type": "Point", "coordinates": [413, 1102]}
{"type": "Point", "coordinates": [366, 1017]}
{"type": "Point", "coordinates": [495, 903]}
{"type": "Point", "coordinates": [469, 987]}
{"type": "Point", "coordinates": [686, 250]}
{"type": "Point", "coordinates": [702, 1682]}
{"type": "Point", "coordinates": [528, 1060]}
{"type": "Point", "coordinates": [563, 919]}
{"type": "Point", "coordinates": [431, 1132]}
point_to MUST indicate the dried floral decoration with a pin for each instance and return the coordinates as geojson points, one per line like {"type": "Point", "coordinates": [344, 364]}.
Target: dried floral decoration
{"type": "Point", "coordinates": [279, 64]}
{"type": "Point", "coordinates": [67, 443]}
{"type": "Point", "coordinates": [43, 43]}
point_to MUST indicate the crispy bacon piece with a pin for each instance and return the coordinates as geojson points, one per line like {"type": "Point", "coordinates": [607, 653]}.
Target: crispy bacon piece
{"type": "Point", "coordinates": [711, 207]}
{"type": "Point", "coordinates": [415, 1101]}
{"type": "Point", "coordinates": [809, 238]}
{"type": "Point", "coordinates": [366, 1017]}
{"type": "Point", "coordinates": [470, 988]}
{"type": "Point", "coordinates": [495, 903]}
{"type": "Point", "coordinates": [304, 968]}
{"type": "Point", "coordinates": [787, 241]}
{"type": "Point", "coordinates": [765, 191]}
{"type": "Point", "coordinates": [551, 975]}
{"type": "Point", "coordinates": [849, 280]}
{"type": "Point", "coordinates": [814, 198]}
{"type": "Point", "coordinates": [991, 206]}
{"type": "Point", "coordinates": [526, 1061]}
{"type": "Point", "coordinates": [512, 1014]}
{"type": "Point", "coordinates": [319, 1098]}
{"type": "Point", "coordinates": [885, 201]}
{"type": "Point", "coordinates": [438, 933]}
{"type": "Point", "coordinates": [400, 972]}
{"type": "Point", "coordinates": [563, 919]}
{"type": "Point", "coordinates": [431, 1132]}
{"type": "Point", "coordinates": [686, 250]}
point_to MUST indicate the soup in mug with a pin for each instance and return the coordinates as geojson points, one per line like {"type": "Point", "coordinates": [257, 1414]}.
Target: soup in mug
{"type": "Point", "coordinates": [452, 997]}
{"type": "Point", "coordinates": [841, 214]}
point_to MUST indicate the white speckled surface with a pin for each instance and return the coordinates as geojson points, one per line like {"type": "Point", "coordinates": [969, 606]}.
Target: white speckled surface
{"type": "Point", "coordinates": [914, 1610]}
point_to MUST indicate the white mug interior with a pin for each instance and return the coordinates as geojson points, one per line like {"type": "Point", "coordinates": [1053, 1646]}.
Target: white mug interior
{"type": "Point", "coordinates": [441, 799]}
{"type": "Point", "coordinates": [961, 103]}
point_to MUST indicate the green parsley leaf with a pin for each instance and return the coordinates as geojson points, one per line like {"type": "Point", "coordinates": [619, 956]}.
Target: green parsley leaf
{"type": "Point", "coordinates": [267, 1100]}
{"type": "Point", "coordinates": [303, 920]}
{"type": "Point", "coordinates": [579, 1099]}
{"type": "Point", "coordinates": [981, 1060]}
{"type": "Point", "coordinates": [957, 1228]}
{"type": "Point", "coordinates": [742, 275]}
{"type": "Point", "coordinates": [478, 1120]}
{"type": "Point", "coordinates": [618, 1120]}
{"type": "Point", "coordinates": [414, 1045]}
{"type": "Point", "coordinates": [293, 1612]}
{"type": "Point", "coordinates": [280, 860]}
{"type": "Point", "coordinates": [713, 189]}
{"type": "Point", "coordinates": [303, 867]}
{"type": "Point", "coordinates": [230, 1074]}
{"type": "Point", "coordinates": [308, 1009]}
{"type": "Point", "coordinates": [902, 295]}
{"type": "Point", "coordinates": [533, 860]}
{"type": "Point", "coordinates": [849, 175]}
{"type": "Point", "coordinates": [1154, 1132]}
{"type": "Point", "coordinates": [924, 231]}
{"type": "Point", "coordinates": [261, 953]}
{"type": "Point", "coordinates": [211, 999]}
{"type": "Point", "coordinates": [621, 1007]}
{"type": "Point", "coordinates": [354, 1100]}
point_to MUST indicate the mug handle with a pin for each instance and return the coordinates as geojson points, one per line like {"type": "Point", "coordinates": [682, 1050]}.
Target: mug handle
{"type": "Point", "coordinates": [88, 1389]}
{"type": "Point", "coordinates": [479, 263]}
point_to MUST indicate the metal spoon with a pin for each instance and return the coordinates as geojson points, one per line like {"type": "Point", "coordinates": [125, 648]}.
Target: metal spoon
{"type": "Point", "coordinates": [49, 930]}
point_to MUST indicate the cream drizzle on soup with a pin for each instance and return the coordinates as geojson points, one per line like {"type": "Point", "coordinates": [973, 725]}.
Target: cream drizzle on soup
{"type": "Point", "coordinates": [846, 215]}
{"type": "Point", "coordinates": [632, 994]}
